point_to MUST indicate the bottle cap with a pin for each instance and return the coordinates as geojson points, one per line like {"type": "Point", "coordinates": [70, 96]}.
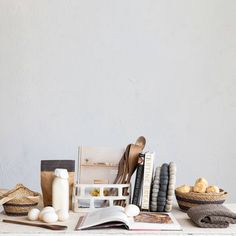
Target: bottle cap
{"type": "Point", "coordinates": [61, 173]}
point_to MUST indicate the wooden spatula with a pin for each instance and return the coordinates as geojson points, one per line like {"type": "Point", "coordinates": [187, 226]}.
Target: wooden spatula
{"type": "Point", "coordinates": [52, 227]}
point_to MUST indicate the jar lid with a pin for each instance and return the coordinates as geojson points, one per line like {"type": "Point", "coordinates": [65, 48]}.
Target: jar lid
{"type": "Point", "coordinates": [61, 173]}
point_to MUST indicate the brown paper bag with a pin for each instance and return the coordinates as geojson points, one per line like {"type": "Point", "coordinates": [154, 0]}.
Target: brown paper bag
{"type": "Point", "coordinates": [47, 175]}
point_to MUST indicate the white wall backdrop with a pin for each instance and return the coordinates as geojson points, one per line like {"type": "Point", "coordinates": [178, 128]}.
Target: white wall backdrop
{"type": "Point", "coordinates": [104, 72]}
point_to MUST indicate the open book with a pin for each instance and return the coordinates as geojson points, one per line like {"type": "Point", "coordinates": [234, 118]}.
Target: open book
{"type": "Point", "coordinates": [115, 217]}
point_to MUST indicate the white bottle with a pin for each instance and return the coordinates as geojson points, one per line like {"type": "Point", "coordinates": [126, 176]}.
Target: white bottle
{"type": "Point", "coordinates": [60, 190]}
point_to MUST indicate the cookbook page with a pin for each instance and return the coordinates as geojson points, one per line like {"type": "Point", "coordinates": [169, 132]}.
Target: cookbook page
{"type": "Point", "coordinates": [154, 221]}
{"type": "Point", "coordinates": [105, 215]}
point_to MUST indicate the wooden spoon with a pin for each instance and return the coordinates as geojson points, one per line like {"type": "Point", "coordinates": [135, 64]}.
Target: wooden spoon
{"type": "Point", "coordinates": [123, 168]}
{"type": "Point", "coordinates": [52, 227]}
{"type": "Point", "coordinates": [132, 160]}
{"type": "Point", "coordinates": [141, 141]}
{"type": "Point", "coordinates": [135, 149]}
{"type": "Point", "coordinates": [128, 163]}
{"type": "Point", "coordinates": [126, 166]}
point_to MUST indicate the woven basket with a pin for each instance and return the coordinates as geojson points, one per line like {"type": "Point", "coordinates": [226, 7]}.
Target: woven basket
{"type": "Point", "coordinates": [188, 200]}
{"type": "Point", "coordinates": [24, 200]}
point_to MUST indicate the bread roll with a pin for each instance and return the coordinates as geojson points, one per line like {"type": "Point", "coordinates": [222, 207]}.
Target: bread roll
{"type": "Point", "coordinates": [184, 188]}
{"type": "Point", "coordinates": [202, 181]}
{"type": "Point", "coordinates": [212, 189]}
{"type": "Point", "coordinates": [199, 188]}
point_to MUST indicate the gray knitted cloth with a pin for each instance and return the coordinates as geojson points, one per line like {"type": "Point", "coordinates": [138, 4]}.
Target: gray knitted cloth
{"type": "Point", "coordinates": [212, 216]}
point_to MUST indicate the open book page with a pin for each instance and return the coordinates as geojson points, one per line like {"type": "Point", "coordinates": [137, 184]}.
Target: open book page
{"type": "Point", "coordinates": [154, 221]}
{"type": "Point", "coordinates": [115, 217]}
{"type": "Point", "coordinates": [105, 215]}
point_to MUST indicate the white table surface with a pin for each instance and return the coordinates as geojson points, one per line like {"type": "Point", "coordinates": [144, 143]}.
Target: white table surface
{"type": "Point", "coordinates": [188, 227]}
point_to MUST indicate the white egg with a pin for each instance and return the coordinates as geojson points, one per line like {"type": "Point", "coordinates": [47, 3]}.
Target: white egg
{"type": "Point", "coordinates": [63, 215]}
{"type": "Point", "coordinates": [50, 217]}
{"type": "Point", "coordinates": [48, 208]}
{"type": "Point", "coordinates": [44, 210]}
{"type": "Point", "coordinates": [33, 214]}
{"type": "Point", "coordinates": [132, 210]}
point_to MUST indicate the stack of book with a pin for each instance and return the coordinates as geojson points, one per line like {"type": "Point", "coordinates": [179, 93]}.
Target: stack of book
{"type": "Point", "coordinates": [154, 191]}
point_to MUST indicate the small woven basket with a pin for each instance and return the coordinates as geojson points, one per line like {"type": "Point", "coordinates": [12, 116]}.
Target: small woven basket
{"type": "Point", "coordinates": [188, 200]}
{"type": "Point", "coordinates": [18, 209]}
{"type": "Point", "coordinates": [24, 200]}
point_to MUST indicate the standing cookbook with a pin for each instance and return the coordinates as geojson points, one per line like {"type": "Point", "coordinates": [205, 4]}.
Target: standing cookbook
{"type": "Point", "coordinates": [115, 216]}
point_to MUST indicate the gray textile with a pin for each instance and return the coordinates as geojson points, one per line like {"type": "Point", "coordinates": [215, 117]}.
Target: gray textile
{"type": "Point", "coordinates": [212, 216]}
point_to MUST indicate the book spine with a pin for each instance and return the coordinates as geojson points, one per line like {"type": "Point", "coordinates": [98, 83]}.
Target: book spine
{"type": "Point", "coordinates": [147, 180]}
{"type": "Point", "coordinates": [138, 181]}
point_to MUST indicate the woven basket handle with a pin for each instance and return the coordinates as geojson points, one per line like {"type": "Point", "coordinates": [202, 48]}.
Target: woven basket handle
{"type": "Point", "coordinates": [5, 199]}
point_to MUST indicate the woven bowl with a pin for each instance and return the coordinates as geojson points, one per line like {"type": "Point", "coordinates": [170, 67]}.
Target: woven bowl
{"type": "Point", "coordinates": [191, 199]}
{"type": "Point", "coordinates": [20, 206]}
{"type": "Point", "coordinates": [23, 200]}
